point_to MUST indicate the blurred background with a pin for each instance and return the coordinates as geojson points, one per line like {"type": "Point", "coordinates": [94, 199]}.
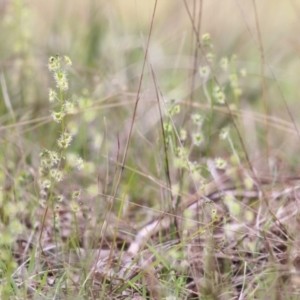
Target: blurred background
{"type": "Point", "coordinates": [107, 42]}
{"type": "Point", "coordinates": [168, 96]}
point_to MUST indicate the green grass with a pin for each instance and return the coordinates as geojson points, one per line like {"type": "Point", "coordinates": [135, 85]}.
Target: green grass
{"type": "Point", "coordinates": [164, 104]}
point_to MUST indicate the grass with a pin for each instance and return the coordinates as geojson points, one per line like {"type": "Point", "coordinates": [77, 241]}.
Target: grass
{"type": "Point", "coordinates": [164, 166]}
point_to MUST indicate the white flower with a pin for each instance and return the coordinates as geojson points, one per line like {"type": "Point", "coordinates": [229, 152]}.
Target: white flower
{"type": "Point", "coordinates": [204, 72]}
{"type": "Point", "coordinates": [220, 163]}
{"type": "Point", "coordinates": [197, 138]}
{"type": "Point", "coordinates": [224, 133]}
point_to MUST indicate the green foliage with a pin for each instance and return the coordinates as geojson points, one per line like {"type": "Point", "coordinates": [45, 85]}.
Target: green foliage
{"type": "Point", "coordinates": [64, 132]}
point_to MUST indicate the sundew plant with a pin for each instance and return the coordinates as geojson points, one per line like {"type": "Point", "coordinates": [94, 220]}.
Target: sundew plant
{"type": "Point", "coordinates": [54, 168]}
{"type": "Point", "coordinates": [161, 162]}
